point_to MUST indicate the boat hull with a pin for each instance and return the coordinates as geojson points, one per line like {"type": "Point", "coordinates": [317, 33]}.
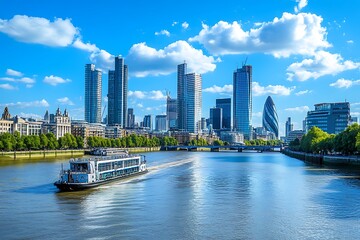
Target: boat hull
{"type": "Point", "coordinates": [67, 187]}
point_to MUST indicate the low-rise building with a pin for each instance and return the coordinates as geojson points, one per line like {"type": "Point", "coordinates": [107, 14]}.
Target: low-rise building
{"type": "Point", "coordinates": [85, 129]}
{"type": "Point", "coordinates": [59, 124]}
{"type": "Point", "coordinates": [292, 135]}
{"type": "Point", "coordinates": [233, 138]}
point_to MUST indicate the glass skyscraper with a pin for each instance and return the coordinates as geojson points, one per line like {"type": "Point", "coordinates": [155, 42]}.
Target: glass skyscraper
{"type": "Point", "coordinates": [225, 105]}
{"type": "Point", "coordinates": [117, 93]}
{"type": "Point", "coordinates": [242, 100]}
{"type": "Point", "coordinates": [270, 117]}
{"type": "Point", "coordinates": [93, 83]}
{"type": "Point", "coordinates": [216, 118]}
{"type": "Point", "coordinates": [329, 117]}
{"type": "Point", "coordinates": [189, 97]}
{"type": "Point", "coordinates": [171, 113]}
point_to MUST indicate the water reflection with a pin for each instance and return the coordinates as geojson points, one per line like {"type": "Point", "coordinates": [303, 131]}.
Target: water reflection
{"type": "Point", "coordinates": [186, 195]}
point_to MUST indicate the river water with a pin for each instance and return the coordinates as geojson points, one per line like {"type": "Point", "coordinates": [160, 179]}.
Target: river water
{"type": "Point", "coordinates": [186, 195]}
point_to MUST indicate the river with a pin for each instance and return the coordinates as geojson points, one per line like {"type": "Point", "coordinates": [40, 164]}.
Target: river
{"type": "Point", "coordinates": [186, 195]}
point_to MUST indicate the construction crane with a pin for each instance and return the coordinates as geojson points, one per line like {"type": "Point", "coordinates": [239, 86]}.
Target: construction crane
{"type": "Point", "coordinates": [102, 115]}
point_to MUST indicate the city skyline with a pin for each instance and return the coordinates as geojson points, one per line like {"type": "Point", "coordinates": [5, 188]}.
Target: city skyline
{"type": "Point", "coordinates": [290, 65]}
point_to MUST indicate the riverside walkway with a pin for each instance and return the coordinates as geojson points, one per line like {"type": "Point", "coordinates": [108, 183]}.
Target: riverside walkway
{"type": "Point", "coordinates": [239, 148]}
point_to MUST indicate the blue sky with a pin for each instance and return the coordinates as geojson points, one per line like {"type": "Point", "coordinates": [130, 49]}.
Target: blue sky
{"type": "Point", "coordinates": [302, 52]}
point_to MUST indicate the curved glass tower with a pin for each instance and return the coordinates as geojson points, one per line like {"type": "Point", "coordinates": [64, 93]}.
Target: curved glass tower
{"type": "Point", "coordinates": [270, 117]}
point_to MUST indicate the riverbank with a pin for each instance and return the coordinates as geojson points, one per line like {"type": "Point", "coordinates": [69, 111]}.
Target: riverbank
{"type": "Point", "coordinates": [40, 154]}
{"type": "Point", "coordinates": [324, 159]}
{"type": "Point", "coordinates": [70, 153]}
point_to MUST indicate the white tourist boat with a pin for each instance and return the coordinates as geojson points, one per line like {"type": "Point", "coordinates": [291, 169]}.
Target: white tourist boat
{"type": "Point", "coordinates": [91, 172]}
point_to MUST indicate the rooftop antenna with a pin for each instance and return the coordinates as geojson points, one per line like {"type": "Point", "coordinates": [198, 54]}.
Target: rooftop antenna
{"type": "Point", "coordinates": [244, 64]}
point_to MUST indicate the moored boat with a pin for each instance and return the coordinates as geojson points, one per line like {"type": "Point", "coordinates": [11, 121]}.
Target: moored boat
{"type": "Point", "coordinates": [91, 172]}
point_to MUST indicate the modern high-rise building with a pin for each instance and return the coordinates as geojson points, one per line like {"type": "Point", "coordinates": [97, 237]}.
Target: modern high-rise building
{"type": "Point", "coordinates": [160, 123]}
{"type": "Point", "coordinates": [189, 97]}
{"type": "Point", "coordinates": [93, 86]}
{"type": "Point", "coordinates": [216, 118]}
{"type": "Point", "coordinates": [171, 113]}
{"type": "Point", "coordinates": [225, 104]}
{"type": "Point", "coordinates": [242, 101]}
{"type": "Point", "coordinates": [330, 117]}
{"type": "Point", "coordinates": [148, 122]}
{"type": "Point", "coordinates": [131, 118]}
{"type": "Point", "coordinates": [270, 117]}
{"type": "Point", "coordinates": [288, 127]}
{"type": "Point", "coordinates": [117, 93]}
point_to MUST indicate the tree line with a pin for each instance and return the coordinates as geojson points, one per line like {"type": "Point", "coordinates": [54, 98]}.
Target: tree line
{"type": "Point", "coordinates": [15, 142]}
{"type": "Point", "coordinates": [130, 141]}
{"type": "Point", "coordinates": [318, 141]}
{"type": "Point", "coordinates": [48, 141]}
{"type": "Point", "coordinates": [261, 142]}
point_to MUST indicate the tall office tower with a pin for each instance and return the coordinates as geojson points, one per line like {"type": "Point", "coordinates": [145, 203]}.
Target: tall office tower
{"type": "Point", "coordinates": [288, 126]}
{"type": "Point", "coordinates": [225, 104]}
{"type": "Point", "coordinates": [270, 117]}
{"type": "Point", "coordinates": [93, 83]}
{"type": "Point", "coordinates": [117, 93]}
{"type": "Point", "coordinates": [242, 101]}
{"type": "Point", "coordinates": [131, 118]}
{"type": "Point", "coordinates": [330, 117]}
{"type": "Point", "coordinates": [181, 89]}
{"type": "Point", "coordinates": [189, 99]}
{"type": "Point", "coordinates": [160, 123]}
{"type": "Point", "coordinates": [171, 113]}
{"type": "Point", "coordinates": [216, 118]}
{"type": "Point", "coordinates": [148, 122]}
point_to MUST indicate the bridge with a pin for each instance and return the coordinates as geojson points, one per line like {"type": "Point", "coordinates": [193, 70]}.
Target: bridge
{"type": "Point", "coordinates": [239, 148]}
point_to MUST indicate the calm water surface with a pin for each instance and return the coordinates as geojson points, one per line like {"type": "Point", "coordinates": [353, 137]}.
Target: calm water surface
{"type": "Point", "coordinates": [187, 195]}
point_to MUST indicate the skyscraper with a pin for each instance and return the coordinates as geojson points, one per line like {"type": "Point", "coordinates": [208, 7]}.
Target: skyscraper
{"type": "Point", "coordinates": [131, 118]}
{"type": "Point", "coordinates": [160, 123]}
{"type": "Point", "coordinates": [216, 118]}
{"type": "Point", "coordinates": [225, 104]}
{"type": "Point", "coordinates": [171, 113]}
{"type": "Point", "coordinates": [329, 117]}
{"type": "Point", "coordinates": [242, 100]}
{"type": "Point", "coordinates": [93, 83]}
{"type": "Point", "coordinates": [189, 99]}
{"type": "Point", "coordinates": [148, 122]}
{"type": "Point", "coordinates": [288, 127]}
{"type": "Point", "coordinates": [117, 93]}
{"type": "Point", "coordinates": [270, 117]}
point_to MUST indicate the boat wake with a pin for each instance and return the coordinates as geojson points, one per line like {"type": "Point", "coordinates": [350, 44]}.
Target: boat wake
{"type": "Point", "coordinates": [154, 169]}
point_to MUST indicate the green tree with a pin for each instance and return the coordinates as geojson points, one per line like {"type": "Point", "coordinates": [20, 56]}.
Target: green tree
{"type": "Point", "coordinates": [44, 141]}
{"type": "Point", "coordinates": [358, 142]}
{"type": "Point", "coordinates": [310, 141]}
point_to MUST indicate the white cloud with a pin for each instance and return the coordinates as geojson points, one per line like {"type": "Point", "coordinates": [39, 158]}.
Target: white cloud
{"type": "Point", "coordinates": [85, 46]}
{"type": "Point", "coordinates": [65, 101]}
{"type": "Point", "coordinates": [163, 32]}
{"type": "Point", "coordinates": [257, 114]}
{"type": "Point", "coordinates": [271, 89]}
{"type": "Point", "coordinates": [153, 95]}
{"type": "Point", "coordinates": [343, 83]}
{"type": "Point", "coordinates": [26, 80]}
{"type": "Point", "coordinates": [54, 80]}
{"type": "Point", "coordinates": [139, 105]}
{"type": "Point", "coordinates": [301, 5]}
{"type": "Point", "coordinates": [103, 60]}
{"type": "Point", "coordinates": [184, 25]}
{"type": "Point", "coordinates": [136, 94]}
{"type": "Point", "coordinates": [57, 33]}
{"type": "Point", "coordinates": [353, 114]}
{"type": "Point", "coordinates": [7, 86]}
{"type": "Point", "coordinates": [30, 115]}
{"type": "Point", "coordinates": [145, 60]}
{"type": "Point", "coordinates": [350, 41]}
{"type": "Point", "coordinates": [298, 109]}
{"type": "Point", "coordinates": [174, 23]}
{"type": "Point", "coordinates": [105, 99]}
{"type": "Point", "coordinates": [355, 104]}
{"type": "Point", "coordinates": [303, 92]}
{"type": "Point", "coordinates": [9, 79]}
{"type": "Point", "coordinates": [291, 34]}
{"type": "Point", "coordinates": [323, 63]}
{"type": "Point", "coordinates": [37, 103]}
{"type": "Point", "coordinates": [14, 73]}
{"type": "Point", "coordinates": [217, 89]}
